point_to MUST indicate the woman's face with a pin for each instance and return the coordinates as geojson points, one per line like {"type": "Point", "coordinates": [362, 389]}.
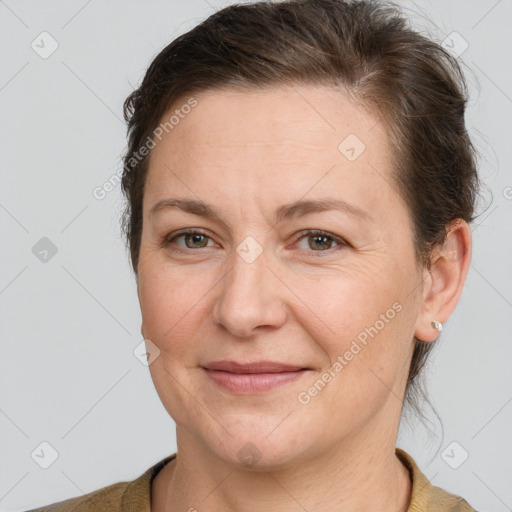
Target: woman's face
{"type": "Point", "coordinates": [255, 286]}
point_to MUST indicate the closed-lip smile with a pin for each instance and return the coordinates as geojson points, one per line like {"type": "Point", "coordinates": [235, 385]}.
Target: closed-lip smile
{"type": "Point", "coordinates": [254, 377]}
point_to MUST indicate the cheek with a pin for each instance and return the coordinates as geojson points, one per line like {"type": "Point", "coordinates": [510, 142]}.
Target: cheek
{"type": "Point", "coordinates": [345, 301]}
{"type": "Point", "coordinates": [173, 304]}
{"type": "Point", "coordinates": [359, 320]}
{"type": "Point", "coordinates": [163, 300]}
{"type": "Point", "coordinates": [171, 310]}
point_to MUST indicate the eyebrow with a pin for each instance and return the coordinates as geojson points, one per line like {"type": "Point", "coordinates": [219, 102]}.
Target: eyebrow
{"type": "Point", "coordinates": [284, 212]}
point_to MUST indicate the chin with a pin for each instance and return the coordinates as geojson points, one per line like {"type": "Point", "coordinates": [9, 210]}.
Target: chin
{"type": "Point", "coordinates": [256, 450]}
{"type": "Point", "coordinates": [253, 456]}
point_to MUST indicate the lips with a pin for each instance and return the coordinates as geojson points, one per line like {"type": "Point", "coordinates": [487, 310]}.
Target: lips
{"type": "Point", "coordinates": [252, 378]}
{"type": "Point", "coordinates": [256, 367]}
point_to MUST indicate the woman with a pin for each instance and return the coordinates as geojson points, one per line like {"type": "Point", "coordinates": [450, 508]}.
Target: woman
{"type": "Point", "coordinates": [300, 185]}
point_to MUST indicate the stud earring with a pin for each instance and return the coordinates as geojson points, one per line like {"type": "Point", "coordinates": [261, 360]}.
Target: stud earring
{"type": "Point", "coordinates": [437, 325]}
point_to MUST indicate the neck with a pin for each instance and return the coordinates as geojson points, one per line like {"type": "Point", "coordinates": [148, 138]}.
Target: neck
{"type": "Point", "coordinates": [355, 477]}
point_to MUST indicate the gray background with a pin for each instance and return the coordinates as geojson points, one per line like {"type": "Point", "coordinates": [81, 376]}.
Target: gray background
{"type": "Point", "coordinates": [69, 325]}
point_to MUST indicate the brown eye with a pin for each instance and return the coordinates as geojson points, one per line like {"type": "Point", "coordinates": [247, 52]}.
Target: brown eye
{"type": "Point", "coordinates": [194, 239]}
{"type": "Point", "coordinates": [321, 241]}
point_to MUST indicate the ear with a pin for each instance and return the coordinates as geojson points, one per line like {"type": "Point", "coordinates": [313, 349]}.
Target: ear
{"type": "Point", "coordinates": [140, 305]}
{"type": "Point", "coordinates": [444, 282]}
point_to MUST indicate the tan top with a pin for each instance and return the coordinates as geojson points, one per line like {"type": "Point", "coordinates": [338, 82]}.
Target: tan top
{"type": "Point", "coordinates": [135, 496]}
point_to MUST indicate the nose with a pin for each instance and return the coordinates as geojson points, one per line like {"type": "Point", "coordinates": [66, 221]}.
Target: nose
{"type": "Point", "coordinates": [251, 297]}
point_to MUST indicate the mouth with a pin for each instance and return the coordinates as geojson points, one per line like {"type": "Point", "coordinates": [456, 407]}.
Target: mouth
{"type": "Point", "coordinates": [252, 378]}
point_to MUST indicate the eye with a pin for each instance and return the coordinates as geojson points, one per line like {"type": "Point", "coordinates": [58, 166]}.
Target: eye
{"type": "Point", "coordinates": [321, 241]}
{"type": "Point", "coordinates": [194, 239]}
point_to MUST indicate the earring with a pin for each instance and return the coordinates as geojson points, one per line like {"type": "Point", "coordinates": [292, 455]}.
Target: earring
{"type": "Point", "coordinates": [437, 325]}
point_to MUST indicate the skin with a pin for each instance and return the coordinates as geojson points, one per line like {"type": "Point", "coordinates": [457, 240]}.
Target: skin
{"type": "Point", "coordinates": [247, 153]}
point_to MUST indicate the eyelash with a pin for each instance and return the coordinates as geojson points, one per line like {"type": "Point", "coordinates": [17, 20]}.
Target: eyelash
{"type": "Point", "coordinates": [302, 234]}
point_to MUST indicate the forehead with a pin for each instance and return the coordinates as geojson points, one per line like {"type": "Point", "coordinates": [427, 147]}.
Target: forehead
{"type": "Point", "coordinates": [286, 139]}
{"type": "Point", "coordinates": [314, 114]}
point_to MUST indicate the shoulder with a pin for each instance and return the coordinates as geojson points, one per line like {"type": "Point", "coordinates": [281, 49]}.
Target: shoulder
{"type": "Point", "coordinates": [426, 497]}
{"type": "Point", "coordinates": [118, 497]}
{"type": "Point", "coordinates": [445, 501]}
{"type": "Point", "coordinates": [108, 498]}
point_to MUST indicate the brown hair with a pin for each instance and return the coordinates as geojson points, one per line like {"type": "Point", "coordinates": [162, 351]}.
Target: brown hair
{"type": "Point", "coordinates": [365, 47]}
